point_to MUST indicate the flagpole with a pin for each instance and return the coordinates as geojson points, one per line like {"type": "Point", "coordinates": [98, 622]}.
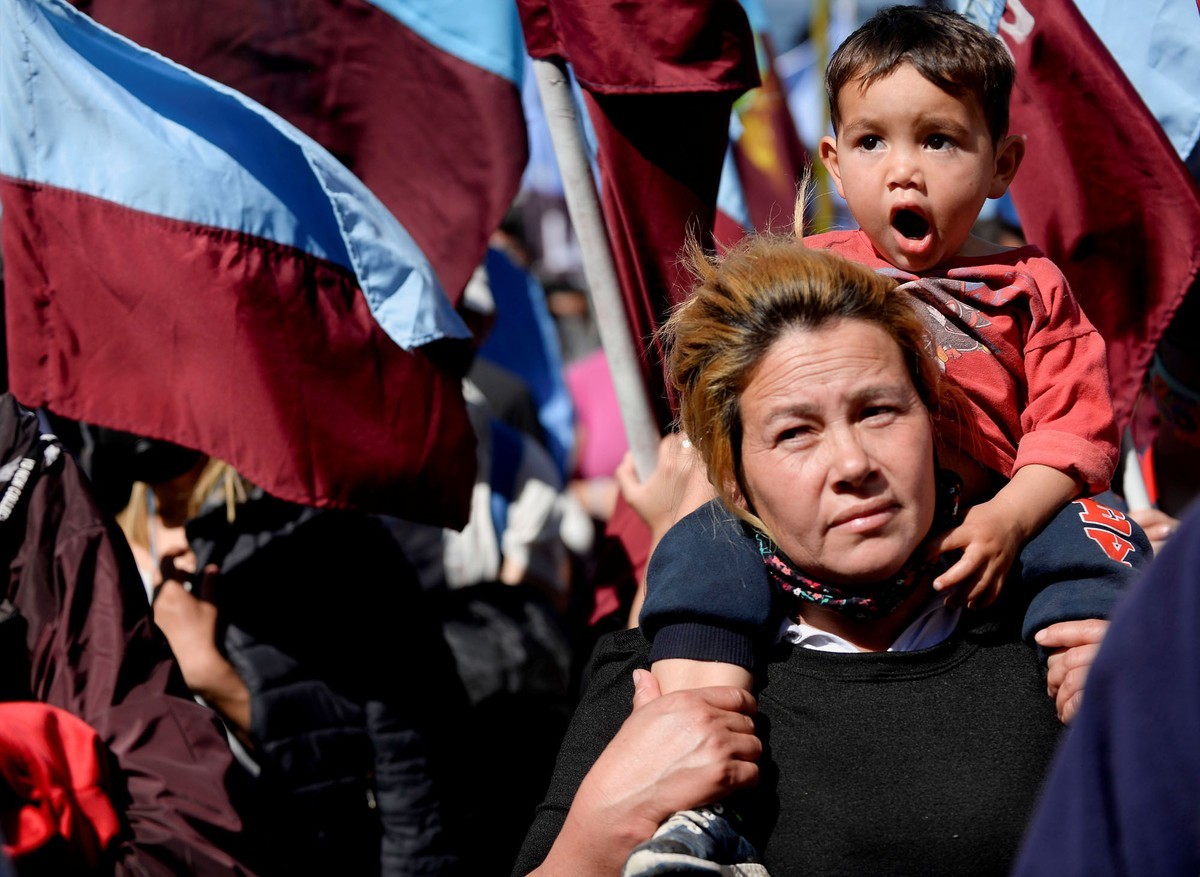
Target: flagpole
{"type": "Point", "coordinates": [604, 289]}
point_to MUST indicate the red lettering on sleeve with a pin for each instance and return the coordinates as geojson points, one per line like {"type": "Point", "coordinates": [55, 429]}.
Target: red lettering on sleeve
{"type": "Point", "coordinates": [1116, 547]}
{"type": "Point", "coordinates": [1102, 516]}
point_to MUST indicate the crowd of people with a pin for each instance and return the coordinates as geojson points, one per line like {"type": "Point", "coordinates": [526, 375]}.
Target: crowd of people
{"type": "Point", "coordinates": [886, 554]}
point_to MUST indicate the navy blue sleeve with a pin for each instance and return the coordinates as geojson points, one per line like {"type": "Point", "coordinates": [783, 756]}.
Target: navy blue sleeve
{"type": "Point", "coordinates": [1123, 795]}
{"type": "Point", "coordinates": [708, 597]}
{"type": "Point", "coordinates": [1080, 564]}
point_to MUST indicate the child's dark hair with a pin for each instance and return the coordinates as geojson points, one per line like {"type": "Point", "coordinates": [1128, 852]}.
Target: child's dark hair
{"type": "Point", "coordinates": [955, 55]}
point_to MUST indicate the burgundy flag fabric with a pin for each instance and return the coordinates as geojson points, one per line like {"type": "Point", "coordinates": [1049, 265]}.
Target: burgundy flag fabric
{"type": "Point", "coordinates": [183, 264]}
{"type": "Point", "coordinates": [769, 155]}
{"type": "Point", "coordinates": [437, 137]}
{"type": "Point", "coordinates": [660, 80]}
{"type": "Point", "coordinates": [1101, 189]}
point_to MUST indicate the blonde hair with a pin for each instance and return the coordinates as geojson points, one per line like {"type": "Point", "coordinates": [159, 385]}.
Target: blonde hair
{"type": "Point", "coordinates": [742, 303]}
{"type": "Point", "coordinates": [134, 519]}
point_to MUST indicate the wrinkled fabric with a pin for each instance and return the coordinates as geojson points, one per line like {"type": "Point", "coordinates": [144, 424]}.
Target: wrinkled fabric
{"type": "Point", "coordinates": [92, 650]}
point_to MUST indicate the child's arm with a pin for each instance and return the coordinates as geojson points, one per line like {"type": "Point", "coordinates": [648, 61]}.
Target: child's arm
{"type": "Point", "coordinates": [992, 533]}
{"type": "Point", "coordinates": [709, 595]}
{"type": "Point", "coordinates": [678, 674]}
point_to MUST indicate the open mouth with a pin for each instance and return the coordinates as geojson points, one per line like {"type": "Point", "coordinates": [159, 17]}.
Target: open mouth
{"type": "Point", "coordinates": [910, 224]}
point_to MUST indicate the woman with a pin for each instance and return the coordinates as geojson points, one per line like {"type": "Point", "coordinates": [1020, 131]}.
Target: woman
{"type": "Point", "coordinates": [804, 385]}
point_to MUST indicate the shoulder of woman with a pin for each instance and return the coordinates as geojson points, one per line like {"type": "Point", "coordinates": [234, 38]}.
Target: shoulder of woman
{"type": "Point", "coordinates": [616, 650]}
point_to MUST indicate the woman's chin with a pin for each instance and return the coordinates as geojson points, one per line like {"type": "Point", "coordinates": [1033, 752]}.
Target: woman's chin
{"type": "Point", "coordinates": [867, 565]}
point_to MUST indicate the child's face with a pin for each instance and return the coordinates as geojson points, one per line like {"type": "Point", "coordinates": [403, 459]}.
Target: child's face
{"type": "Point", "coordinates": [915, 164]}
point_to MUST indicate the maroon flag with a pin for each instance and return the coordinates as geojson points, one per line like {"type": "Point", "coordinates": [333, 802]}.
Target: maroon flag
{"type": "Point", "coordinates": [1101, 190]}
{"type": "Point", "coordinates": [660, 80]}
{"type": "Point", "coordinates": [182, 264]}
{"type": "Point", "coordinates": [437, 137]}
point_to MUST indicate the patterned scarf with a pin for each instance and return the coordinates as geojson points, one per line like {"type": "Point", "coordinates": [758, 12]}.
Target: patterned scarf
{"type": "Point", "coordinates": [873, 600]}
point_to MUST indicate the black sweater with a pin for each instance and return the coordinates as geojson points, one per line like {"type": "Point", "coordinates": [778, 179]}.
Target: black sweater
{"type": "Point", "coordinates": [918, 763]}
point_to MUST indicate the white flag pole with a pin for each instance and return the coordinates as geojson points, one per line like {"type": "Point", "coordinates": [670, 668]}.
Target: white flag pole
{"type": "Point", "coordinates": [583, 205]}
{"type": "Point", "coordinates": [1133, 484]}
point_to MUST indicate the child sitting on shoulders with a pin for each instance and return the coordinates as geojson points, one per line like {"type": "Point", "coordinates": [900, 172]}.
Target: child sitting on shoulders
{"type": "Point", "coordinates": [919, 103]}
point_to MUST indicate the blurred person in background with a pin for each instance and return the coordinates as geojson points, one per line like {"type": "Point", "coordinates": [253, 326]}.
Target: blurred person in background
{"type": "Point", "coordinates": [308, 633]}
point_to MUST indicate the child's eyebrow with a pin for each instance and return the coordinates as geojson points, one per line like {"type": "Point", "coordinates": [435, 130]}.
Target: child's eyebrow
{"type": "Point", "coordinates": [944, 124]}
{"type": "Point", "coordinates": [854, 126]}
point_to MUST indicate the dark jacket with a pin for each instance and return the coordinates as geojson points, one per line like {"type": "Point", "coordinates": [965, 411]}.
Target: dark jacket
{"type": "Point", "coordinates": [353, 692]}
{"type": "Point", "coordinates": [74, 598]}
{"type": "Point", "coordinates": [1123, 797]}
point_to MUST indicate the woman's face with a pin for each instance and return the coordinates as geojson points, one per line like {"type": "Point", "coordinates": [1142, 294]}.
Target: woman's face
{"type": "Point", "coordinates": [837, 452]}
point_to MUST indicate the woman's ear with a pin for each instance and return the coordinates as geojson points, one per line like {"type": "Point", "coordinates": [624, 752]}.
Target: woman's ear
{"type": "Point", "coordinates": [1009, 152]}
{"type": "Point", "coordinates": [734, 492]}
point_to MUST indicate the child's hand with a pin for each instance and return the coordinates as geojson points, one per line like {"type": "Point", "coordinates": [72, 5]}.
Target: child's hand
{"type": "Point", "coordinates": [990, 538]}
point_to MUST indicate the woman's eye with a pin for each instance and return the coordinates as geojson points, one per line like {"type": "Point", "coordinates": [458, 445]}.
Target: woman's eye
{"type": "Point", "coordinates": [795, 433]}
{"type": "Point", "coordinates": [876, 412]}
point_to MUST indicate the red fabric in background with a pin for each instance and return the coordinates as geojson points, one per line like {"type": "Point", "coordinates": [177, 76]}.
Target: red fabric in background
{"type": "Point", "coordinates": [660, 80]}
{"type": "Point", "coordinates": [660, 171]}
{"type": "Point", "coordinates": [1101, 190]}
{"type": "Point", "coordinates": [260, 354]}
{"type": "Point", "coordinates": [439, 140]}
{"type": "Point", "coordinates": [670, 46]}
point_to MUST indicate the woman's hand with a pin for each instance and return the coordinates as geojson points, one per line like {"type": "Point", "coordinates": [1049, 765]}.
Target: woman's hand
{"type": "Point", "coordinates": [1072, 646]}
{"type": "Point", "coordinates": [674, 752]}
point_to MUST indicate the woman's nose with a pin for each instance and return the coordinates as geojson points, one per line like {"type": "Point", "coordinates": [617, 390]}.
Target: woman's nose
{"type": "Point", "coordinates": [850, 461]}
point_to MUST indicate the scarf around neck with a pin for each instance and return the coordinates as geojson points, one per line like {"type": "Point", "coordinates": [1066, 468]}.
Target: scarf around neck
{"type": "Point", "coordinates": [862, 601]}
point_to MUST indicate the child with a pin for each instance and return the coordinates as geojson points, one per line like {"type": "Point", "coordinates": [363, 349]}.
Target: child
{"type": "Point", "coordinates": [919, 105]}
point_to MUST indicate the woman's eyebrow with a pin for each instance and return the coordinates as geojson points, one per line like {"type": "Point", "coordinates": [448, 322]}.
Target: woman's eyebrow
{"type": "Point", "coordinates": [786, 410]}
{"type": "Point", "coordinates": [876, 392]}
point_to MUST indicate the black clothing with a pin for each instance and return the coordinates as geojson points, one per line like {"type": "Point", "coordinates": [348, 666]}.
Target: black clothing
{"type": "Point", "coordinates": [920, 763]}
{"type": "Point", "coordinates": [708, 597]}
{"type": "Point", "coordinates": [353, 689]}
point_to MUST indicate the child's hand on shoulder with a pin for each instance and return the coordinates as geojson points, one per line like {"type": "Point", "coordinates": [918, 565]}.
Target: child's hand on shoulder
{"type": "Point", "coordinates": [990, 537]}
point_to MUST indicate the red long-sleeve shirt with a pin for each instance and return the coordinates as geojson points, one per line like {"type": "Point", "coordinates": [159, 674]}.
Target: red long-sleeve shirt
{"type": "Point", "coordinates": [1008, 331]}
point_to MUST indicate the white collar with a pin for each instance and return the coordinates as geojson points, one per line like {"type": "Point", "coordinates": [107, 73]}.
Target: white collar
{"type": "Point", "coordinates": [933, 625]}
